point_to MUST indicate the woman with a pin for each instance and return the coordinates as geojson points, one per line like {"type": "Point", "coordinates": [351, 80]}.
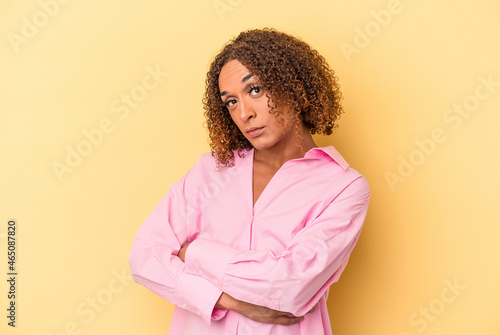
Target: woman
{"type": "Point", "coordinates": [251, 238]}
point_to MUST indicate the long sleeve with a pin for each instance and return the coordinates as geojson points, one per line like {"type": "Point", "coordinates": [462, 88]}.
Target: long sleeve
{"type": "Point", "coordinates": [295, 279]}
{"type": "Point", "coordinates": [154, 262]}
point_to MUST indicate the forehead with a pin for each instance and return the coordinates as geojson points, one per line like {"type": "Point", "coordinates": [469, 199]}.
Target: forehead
{"type": "Point", "coordinates": [232, 74]}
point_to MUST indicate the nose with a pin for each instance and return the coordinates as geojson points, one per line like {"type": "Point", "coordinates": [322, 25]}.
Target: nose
{"type": "Point", "coordinates": [246, 110]}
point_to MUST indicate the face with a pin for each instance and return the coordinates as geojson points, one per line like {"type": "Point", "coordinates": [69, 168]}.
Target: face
{"type": "Point", "coordinates": [247, 103]}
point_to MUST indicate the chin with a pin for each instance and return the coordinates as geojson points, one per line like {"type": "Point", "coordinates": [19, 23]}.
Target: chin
{"type": "Point", "coordinates": [261, 145]}
{"type": "Point", "coordinates": [265, 142]}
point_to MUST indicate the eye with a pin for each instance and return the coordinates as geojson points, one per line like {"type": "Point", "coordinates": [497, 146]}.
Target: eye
{"type": "Point", "coordinates": [229, 103]}
{"type": "Point", "coordinates": [254, 90]}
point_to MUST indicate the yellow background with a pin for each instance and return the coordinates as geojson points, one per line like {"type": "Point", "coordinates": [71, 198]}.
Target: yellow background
{"type": "Point", "coordinates": [434, 227]}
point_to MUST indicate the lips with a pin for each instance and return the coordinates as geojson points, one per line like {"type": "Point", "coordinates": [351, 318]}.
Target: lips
{"type": "Point", "coordinates": [255, 131]}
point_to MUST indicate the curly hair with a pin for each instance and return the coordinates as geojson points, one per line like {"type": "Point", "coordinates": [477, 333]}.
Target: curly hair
{"type": "Point", "coordinates": [292, 74]}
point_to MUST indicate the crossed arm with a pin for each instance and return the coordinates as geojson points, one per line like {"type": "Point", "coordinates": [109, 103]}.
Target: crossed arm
{"type": "Point", "coordinates": [312, 262]}
{"type": "Point", "coordinates": [296, 278]}
{"type": "Point", "coordinates": [251, 311]}
{"type": "Point", "coordinates": [154, 264]}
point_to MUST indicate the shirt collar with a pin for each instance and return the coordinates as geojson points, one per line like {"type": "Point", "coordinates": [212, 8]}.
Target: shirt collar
{"type": "Point", "coordinates": [317, 152]}
{"type": "Point", "coordinates": [331, 152]}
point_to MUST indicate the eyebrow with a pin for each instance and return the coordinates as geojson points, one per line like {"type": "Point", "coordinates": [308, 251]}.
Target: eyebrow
{"type": "Point", "coordinates": [245, 78]}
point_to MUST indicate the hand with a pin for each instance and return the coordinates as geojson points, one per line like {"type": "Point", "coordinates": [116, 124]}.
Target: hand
{"type": "Point", "coordinates": [182, 253]}
{"type": "Point", "coordinates": [257, 313]}
{"type": "Point", "coordinates": [267, 315]}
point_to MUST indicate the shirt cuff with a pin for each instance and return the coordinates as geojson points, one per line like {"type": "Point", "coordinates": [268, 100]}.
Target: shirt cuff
{"type": "Point", "coordinates": [199, 296]}
{"type": "Point", "coordinates": [208, 259]}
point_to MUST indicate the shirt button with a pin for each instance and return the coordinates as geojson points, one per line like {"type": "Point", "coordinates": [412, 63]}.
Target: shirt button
{"type": "Point", "coordinates": [183, 305]}
{"type": "Point", "coordinates": [200, 272]}
{"type": "Point", "coordinates": [198, 313]}
{"type": "Point", "coordinates": [216, 281]}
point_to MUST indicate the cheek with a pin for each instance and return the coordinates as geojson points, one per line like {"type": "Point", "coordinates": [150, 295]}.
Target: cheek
{"type": "Point", "coordinates": [274, 117]}
{"type": "Point", "coordinates": [264, 104]}
{"type": "Point", "coordinates": [232, 120]}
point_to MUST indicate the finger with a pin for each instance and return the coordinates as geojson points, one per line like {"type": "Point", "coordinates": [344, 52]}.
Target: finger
{"type": "Point", "coordinates": [287, 320]}
{"type": "Point", "coordinates": [312, 310]}
{"type": "Point", "coordinates": [287, 314]}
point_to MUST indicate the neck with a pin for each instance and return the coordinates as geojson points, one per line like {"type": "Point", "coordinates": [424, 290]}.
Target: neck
{"type": "Point", "coordinates": [286, 150]}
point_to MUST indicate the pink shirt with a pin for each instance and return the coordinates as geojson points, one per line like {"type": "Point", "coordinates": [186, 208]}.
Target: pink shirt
{"type": "Point", "coordinates": [282, 253]}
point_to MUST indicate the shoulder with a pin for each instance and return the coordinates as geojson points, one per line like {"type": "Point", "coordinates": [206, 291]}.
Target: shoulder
{"type": "Point", "coordinates": [206, 168]}
{"type": "Point", "coordinates": [336, 170]}
{"type": "Point", "coordinates": [207, 162]}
